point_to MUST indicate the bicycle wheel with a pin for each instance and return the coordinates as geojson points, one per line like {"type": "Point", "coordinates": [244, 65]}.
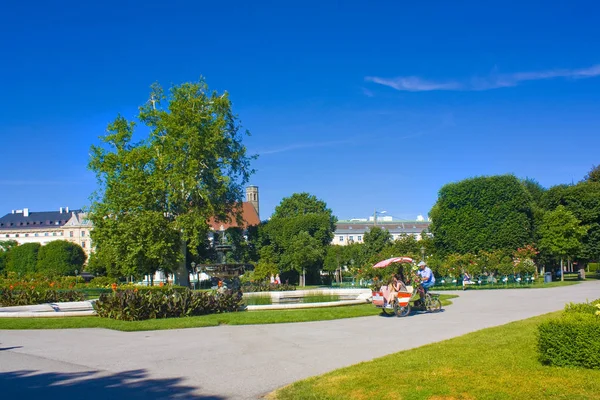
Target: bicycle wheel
{"type": "Point", "coordinates": [390, 310]}
{"type": "Point", "coordinates": [433, 304]}
{"type": "Point", "coordinates": [403, 311]}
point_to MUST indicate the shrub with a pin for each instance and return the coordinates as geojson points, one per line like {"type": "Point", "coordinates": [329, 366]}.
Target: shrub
{"type": "Point", "coordinates": [266, 287]}
{"type": "Point", "coordinates": [10, 297]}
{"type": "Point", "coordinates": [572, 339]}
{"type": "Point", "coordinates": [102, 281]}
{"type": "Point", "coordinates": [60, 258]}
{"type": "Point", "coordinates": [594, 267]}
{"type": "Point", "coordinates": [137, 305]}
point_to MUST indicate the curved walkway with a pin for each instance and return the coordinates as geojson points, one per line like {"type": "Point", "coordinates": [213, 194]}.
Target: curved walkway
{"type": "Point", "coordinates": [246, 362]}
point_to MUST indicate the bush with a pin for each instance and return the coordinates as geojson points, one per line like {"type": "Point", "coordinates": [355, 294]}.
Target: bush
{"type": "Point", "coordinates": [60, 258]}
{"type": "Point", "coordinates": [137, 305]}
{"type": "Point", "coordinates": [571, 339]}
{"type": "Point", "coordinates": [594, 267]}
{"type": "Point", "coordinates": [32, 296]}
{"type": "Point", "coordinates": [266, 287]}
{"type": "Point", "coordinates": [102, 281]}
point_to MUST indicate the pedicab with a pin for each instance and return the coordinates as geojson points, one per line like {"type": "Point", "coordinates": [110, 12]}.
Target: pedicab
{"type": "Point", "coordinates": [404, 300]}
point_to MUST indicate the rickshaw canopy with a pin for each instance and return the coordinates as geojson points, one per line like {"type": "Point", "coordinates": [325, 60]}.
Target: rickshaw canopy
{"type": "Point", "coordinates": [385, 263]}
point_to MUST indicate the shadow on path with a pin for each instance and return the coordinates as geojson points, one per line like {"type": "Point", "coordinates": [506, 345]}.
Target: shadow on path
{"type": "Point", "coordinates": [91, 386]}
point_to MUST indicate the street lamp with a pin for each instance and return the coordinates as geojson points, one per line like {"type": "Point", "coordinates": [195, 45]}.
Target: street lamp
{"type": "Point", "coordinates": [375, 216]}
{"type": "Point", "coordinates": [423, 253]}
{"type": "Point", "coordinates": [76, 271]}
{"type": "Point", "coordinates": [196, 271]}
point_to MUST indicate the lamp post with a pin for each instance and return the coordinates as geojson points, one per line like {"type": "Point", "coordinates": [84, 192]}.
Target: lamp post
{"type": "Point", "coordinates": [375, 216]}
{"type": "Point", "coordinates": [423, 253]}
{"type": "Point", "coordinates": [76, 271]}
{"type": "Point", "coordinates": [197, 276]}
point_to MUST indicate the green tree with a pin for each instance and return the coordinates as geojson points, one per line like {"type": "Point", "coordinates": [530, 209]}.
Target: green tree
{"type": "Point", "coordinates": [561, 234]}
{"type": "Point", "coordinates": [23, 259]}
{"type": "Point", "coordinates": [5, 246]}
{"type": "Point", "coordinates": [593, 175]}
{"type": "Point", "coordinates": [375, 240]}
{"type": "Point", "coordinates": [60, 258]}
{"type": "Point", "coordinates": [303, 252]}
{"type": "Point", "coordinates": [483, 213]}
{"type": "Point", "coordinates": [267, 264]}
{"type": "Point", "coordinates": [191, 166]}
{"type": "Point", "coordinates": [583, 200]}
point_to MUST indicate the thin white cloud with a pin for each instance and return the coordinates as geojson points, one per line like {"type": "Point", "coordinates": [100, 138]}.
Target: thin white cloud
{"type": "Point", "coordinates": [299, 146]}
{"type": "Point", "coordinates": [494, 81]}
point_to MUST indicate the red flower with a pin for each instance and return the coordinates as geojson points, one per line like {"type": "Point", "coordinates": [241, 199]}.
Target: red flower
{"type": "Point", "coordinates": [11, 287]}
{"type": "Point", "coordinates": [114, 287]}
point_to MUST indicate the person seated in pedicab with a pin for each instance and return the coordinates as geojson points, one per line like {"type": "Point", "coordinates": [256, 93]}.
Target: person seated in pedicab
{"type": "Point", "coordinates": [397, 285]}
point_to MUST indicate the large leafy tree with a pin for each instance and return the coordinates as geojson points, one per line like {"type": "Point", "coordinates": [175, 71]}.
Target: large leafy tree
{"type": "Point", "coordinates": [483, 213]}
{"type": "Point", "coordinates": [375, 240]}
{"type": "Point", "coordinates": [60, 258]}
{"type": "Point", "coordinates": [593, 175]}
{"type": "Point", "coordinates": [23, 259]}
{"type": "Point", "coordinates": [583, 200]}
{"type": "Point", "coordinates": [561, 234]}
{"type": "Point", "coordinates": [189, 166]}
{"type": "Point", "coordinates": [297, 218]}
{"type": "Point", "coordinates": [5, 246]}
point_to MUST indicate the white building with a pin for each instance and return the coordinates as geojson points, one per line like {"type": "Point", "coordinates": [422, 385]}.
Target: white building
{"type": "Point", "coordinates": [353, 231]}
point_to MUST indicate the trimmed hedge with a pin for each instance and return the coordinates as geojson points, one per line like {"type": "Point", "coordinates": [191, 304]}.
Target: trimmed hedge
{"type": "Point", "coordinates": [266, 287]}
{"type": "Point", "coordinates": [10, 298]}
{"type": "Point", "coordinates": [572, 339]}
{"type": "Point", "coordinates": [594, 267]}
{"type": "Point", "coordinates": [137, 305]}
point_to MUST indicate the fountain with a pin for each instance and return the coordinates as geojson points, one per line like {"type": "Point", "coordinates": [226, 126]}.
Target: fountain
{"type": "Point", "coordinates": [223, 270]}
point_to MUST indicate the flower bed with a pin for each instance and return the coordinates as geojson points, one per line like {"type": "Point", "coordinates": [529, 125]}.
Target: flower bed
{"type": "Point", "coordinates": [23, 297]}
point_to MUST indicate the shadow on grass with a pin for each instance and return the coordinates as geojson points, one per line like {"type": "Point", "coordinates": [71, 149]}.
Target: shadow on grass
{"type": "Point", "coordinates": [135, 384]}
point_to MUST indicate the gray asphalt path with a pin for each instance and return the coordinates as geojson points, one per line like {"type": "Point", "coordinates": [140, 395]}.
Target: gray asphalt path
{"type": "Point", "coordinates": [244, 362]}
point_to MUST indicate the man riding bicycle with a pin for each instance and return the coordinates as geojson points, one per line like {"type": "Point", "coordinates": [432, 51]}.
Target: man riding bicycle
{"type": "Point", "coordinates": [427, 278]}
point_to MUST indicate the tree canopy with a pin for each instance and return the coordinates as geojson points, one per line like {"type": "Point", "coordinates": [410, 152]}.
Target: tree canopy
{"type": "Point", "coordinates": [483, 213]}
{"type": "Point", "coordinates": [60, 258]}
{"type": "Point", "coordinates": [156, 195]}
{"type": "Point", "coordinates": [561, 233]}
{"type": "Point", "coordinates": [22, 259]}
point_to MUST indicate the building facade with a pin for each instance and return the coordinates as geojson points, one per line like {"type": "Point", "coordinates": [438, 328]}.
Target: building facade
{"type": "Point", "coordinates": [353, 231]}
{"type": "Point", "coordinates": [43, 227]}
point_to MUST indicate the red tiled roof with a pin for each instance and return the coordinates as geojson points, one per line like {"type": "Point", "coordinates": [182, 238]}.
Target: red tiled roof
{"type": "Point", "coordinates": [249, 218]}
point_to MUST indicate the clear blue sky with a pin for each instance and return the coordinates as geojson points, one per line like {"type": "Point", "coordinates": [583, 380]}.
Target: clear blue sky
{"type": "Point", "coordinates": [367, 105]}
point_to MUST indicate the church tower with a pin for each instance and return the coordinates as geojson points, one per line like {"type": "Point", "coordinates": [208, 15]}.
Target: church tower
{"type": "Point", "coordinates": [252, 197]}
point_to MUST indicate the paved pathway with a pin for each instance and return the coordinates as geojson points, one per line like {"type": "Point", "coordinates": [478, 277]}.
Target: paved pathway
{"type": "Point", "coordinates": [243, 362]}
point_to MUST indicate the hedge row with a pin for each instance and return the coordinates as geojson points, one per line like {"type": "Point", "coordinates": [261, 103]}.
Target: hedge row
{"type": "Point", "coordinates": [572, 338]}
{"type": "Point", "coordinates": [37, 296]}
{"type": "Point", "coordinates": [266, 287]}
{"type": "Point", "coordinates": [137, 305]}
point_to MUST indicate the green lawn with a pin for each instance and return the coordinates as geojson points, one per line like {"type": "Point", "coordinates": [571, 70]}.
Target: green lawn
{"type": "Point", "coordinates": [494, 363]}
{"type": "Point", "coordinates": [237, 318]}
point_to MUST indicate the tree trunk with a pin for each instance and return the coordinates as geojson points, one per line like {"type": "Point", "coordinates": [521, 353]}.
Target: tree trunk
{"type": "Point", "coordinates": [181, 276]}
{"type": "Point", "coordinates": [562, 272]}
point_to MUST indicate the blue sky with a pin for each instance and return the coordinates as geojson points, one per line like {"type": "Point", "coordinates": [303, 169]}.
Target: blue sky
{"type": "Point", "coordinates": [367, 105]}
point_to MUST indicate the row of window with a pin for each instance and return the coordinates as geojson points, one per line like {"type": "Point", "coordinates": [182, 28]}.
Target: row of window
{"type": "Point", "coordinates": [351, 239]}
{"type": "Point", "coordinates": [35, 234]}
{"type": "Point", "coordinates": [2, 224]}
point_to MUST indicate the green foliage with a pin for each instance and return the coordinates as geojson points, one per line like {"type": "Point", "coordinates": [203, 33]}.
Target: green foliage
{"type": "Point", "coordinates": [60, 258]}
{"type": "Point", "coordinates": [102, 281]}
{"type": "Point", "coordinates": [265, 286]}
{"type": "Point", "coordinates": [267, 265]}
{"type": "Point", "coordinates": [571, 339]}
{"type": "Point", "coordinates": [593, 175]}
{"type": "Point", "coordinates": [483, 213]}
{"type": "Point", "coordinates": [583, 200]}
{"type": "Point", "coordinates": [561, 233]}
{"type": "Point", "coordinates": [35, 295]}
{"type": "Point", "coordinates": [138, 305]}
{"type": "Point", "coordinates": [23, 259]}
{"type": "Point", "coordinates": [160, 192]}
{"type": "Point", "coordinates": [298, 235]}
{"type": "Point", "coordinates": [375, 240]}
{"type": "Point", "coordinates": [594, 267]}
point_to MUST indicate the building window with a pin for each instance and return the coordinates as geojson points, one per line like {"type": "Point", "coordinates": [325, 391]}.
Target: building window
{"type": "Point", "coordinates": [83, 244]}
{"type": "Point", "coordinates": [71, 234]}
{"type": "Point", "coordinates": [6, 235]}
{"type": "Point", "coordinates": [359, 238]}
{"type": "Point", "coordinates": [82, 233]}
{"type": "Point", "coordinates": [61, 234]}
{"type": "Point", "coordinates": [351, 238]}
{"type": "Point", "coordinates": [46, 234]}
{"type": "Point", "coordinates": [36, 235]}
{"type": "Point", "coordinates": [341, 238]}
{"type": "Point", "coordinates": [17, 235]}
{"type": "Point", "coordinates": [53, 233]}
{"type": "Point", "coordinates": [27, 235]}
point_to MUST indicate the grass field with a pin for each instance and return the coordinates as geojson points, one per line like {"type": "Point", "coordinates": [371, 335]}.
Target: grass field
{"type": "Point", "coordinates": [236, 318]}
{"type": "Point", "coordinates": [494, 363]}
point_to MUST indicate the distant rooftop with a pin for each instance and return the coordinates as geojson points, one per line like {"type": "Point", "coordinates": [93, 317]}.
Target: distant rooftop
{"type": "Point", "coordinates": [24, 219]}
